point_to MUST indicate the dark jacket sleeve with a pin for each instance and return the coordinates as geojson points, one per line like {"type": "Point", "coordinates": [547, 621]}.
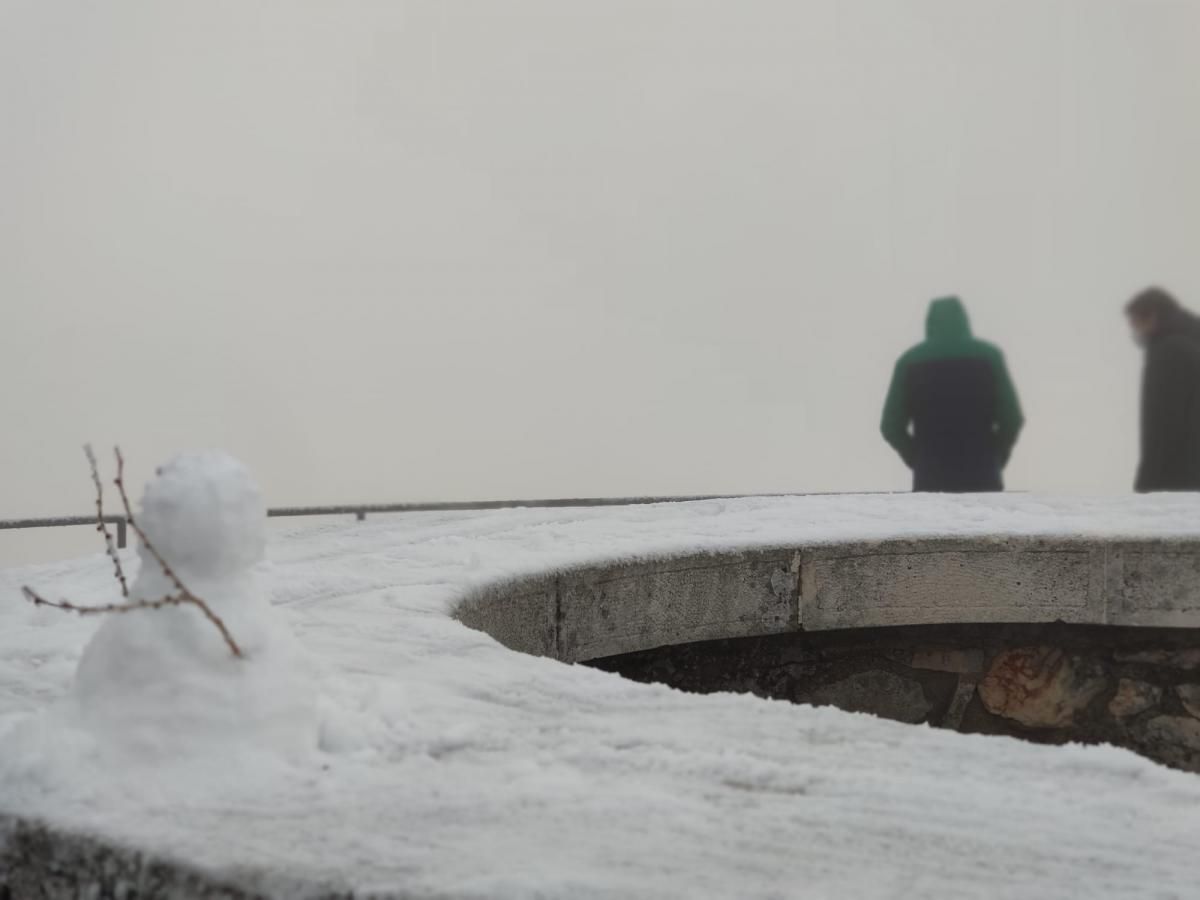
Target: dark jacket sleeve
{"type": "Point", "coordinates": [897, 416]}
{"type": "Point", "coordinates": [1009, 418]}
{"type": "Point", "coordinates": [1164, 420]}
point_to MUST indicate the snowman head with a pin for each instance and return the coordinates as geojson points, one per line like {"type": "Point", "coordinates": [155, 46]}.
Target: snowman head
{"type": "Point", "coordinates": [205, 515]}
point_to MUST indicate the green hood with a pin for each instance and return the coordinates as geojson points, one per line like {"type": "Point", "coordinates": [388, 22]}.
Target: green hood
{"type": "Point", "coordinates": [947, 320]}
{"type": "Point", "coordinates": [949, 338]}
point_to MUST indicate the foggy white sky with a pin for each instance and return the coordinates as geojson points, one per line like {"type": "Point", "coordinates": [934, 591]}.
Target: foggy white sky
{"type": "Point", "coordinates": [448, 250]}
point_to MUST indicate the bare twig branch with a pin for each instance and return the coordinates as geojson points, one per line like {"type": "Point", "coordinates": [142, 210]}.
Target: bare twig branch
{"type": "Point", "coordinates": [185, 596]}
{"type": "Point", "coordinates": [38, 600]}
{"type": "Point", "coordinates": [119, 481]}
{"type": "Point", "coordinates": [184, 599]}
{"type": "Point", "coordinates": [101, 525]}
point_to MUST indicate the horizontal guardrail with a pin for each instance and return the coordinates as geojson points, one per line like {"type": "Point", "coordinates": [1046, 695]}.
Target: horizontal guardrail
{"type": "Point", "coordinates": [362, 510]}
{"type": "Point", "coordinates": [67, 521]}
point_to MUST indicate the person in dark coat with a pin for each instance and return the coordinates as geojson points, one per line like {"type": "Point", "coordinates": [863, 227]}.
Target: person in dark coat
{"type": "Point", "coordinates": [1170, 392]}
{"type": "Point", "coordinates": [952, 412]}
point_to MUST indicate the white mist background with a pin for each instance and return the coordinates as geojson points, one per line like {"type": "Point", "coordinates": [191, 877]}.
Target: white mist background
{"type": "Point", "coordinates": [463, 249]}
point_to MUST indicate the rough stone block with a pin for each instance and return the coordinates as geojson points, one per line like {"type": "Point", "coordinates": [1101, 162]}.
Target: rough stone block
{"type": "Point", "coordinates": [1133, 698]}
{"type": "Point", "coordinates": [1174, 740]}
{"type": "Point", "coordinates": [940, 659]}
{"type": "Point", "coordinates": [1186, 660]}
{"type": "Point", "coordinates": [1189, 696]}
{"type": "Point", "coordinates": [964, 693]}
{"type": "Point", "coordinates": [622, 609]}
{"type": "Point", "coordinates": [1040, 687]}
{"type": "Point", "coordinates": [877, 692]}
{"type": "Point", "coordinates": [951, 583]}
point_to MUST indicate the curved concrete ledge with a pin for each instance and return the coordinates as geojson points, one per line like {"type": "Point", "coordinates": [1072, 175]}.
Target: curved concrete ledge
{"type": "Point", "coordinates": [605, 610]}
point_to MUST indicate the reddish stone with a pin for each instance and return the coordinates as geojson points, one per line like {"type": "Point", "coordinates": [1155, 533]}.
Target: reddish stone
{"type": "Point", "coordinates": [1039, 687]}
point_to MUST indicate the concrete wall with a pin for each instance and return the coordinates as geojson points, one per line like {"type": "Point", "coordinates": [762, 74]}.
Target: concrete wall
{"type": "Point", "coordinates": [610, 609]}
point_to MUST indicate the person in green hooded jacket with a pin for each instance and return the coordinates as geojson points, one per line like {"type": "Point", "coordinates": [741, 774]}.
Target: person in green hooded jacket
{"type": "Point", "coordinates": [952, 412]}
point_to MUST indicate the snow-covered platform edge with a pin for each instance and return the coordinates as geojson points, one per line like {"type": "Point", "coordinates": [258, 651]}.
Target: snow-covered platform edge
{"type": "Point", "coordinates": [602, 610]}
{"type": "Point", "coordinates": [682, 586]}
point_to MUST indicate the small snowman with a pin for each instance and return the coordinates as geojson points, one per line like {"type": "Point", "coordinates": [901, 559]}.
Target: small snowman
{"type": "Point", "coordinates": [172, 679]}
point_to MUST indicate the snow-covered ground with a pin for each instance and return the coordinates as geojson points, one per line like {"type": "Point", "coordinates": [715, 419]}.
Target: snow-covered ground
{"type": "Point", "coordinates": [444, 765]}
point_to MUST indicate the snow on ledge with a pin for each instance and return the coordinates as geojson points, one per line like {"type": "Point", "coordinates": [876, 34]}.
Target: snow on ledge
{"type": "Point", "coordinates": [450, 765]}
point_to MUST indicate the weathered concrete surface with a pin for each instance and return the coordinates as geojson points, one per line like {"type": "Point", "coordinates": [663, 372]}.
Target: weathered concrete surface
{"type": "Point", "coordinates": [606, 610]}
{"type": "Point", "coordinates": [933, 583]}
{"type": "Point", "coordinates": [520, 615]}
{"type": "Point", "coordinates": [1156, 584]}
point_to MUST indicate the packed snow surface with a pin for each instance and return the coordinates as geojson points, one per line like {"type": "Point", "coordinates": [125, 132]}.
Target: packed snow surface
{"type": "Point", "coordinates": [444, 765]}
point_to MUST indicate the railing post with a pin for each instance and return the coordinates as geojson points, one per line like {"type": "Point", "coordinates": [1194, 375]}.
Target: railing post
{"type": "Point", "coordinates": [121, 535]}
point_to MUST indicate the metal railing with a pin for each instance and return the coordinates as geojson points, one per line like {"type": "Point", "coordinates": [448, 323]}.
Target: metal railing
{"type": "Point", "coordinates": [361, 511]}
{"type": "Point", "coordinates": [66, 521]}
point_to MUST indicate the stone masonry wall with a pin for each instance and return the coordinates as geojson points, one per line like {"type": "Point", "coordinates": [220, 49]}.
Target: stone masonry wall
{"type": "Point", "coordinates": [1136, 688]}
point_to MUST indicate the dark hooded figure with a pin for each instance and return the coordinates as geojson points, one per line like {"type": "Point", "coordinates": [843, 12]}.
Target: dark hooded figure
{"type": "Point", "coordinates": [952, 412]}
{"type": "Point", "coordinates": [1170, 392]}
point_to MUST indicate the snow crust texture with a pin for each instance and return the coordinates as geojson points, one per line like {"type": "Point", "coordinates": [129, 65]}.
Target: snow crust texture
{"type": "Point", "coordinates": [441, 764]}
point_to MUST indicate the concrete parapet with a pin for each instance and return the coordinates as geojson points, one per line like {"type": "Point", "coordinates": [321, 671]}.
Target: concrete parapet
{"type": "Point", "coordinates": [623, 607]}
